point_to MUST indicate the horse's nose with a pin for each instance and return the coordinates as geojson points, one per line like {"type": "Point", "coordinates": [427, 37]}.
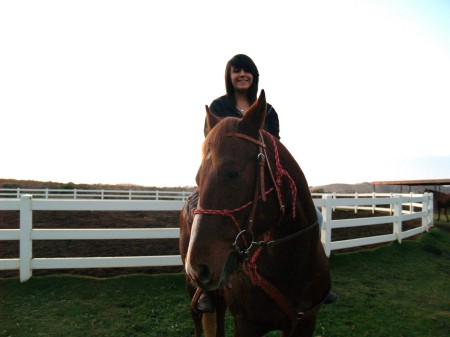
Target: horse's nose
{"type": "Point", "coordinates": [204, 274]}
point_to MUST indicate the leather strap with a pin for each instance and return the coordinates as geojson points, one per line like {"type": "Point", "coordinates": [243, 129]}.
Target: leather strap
{"type": "Point", "coordinates": [195, 298]}
{"type": "Point", "coordinates": [273, 293]}
{"type": "Point", "coordinates": [280, 299]}
{"type": "Point", "coordinates": [250, 139]}
{"type": "Point", "coordinates": [277, 188]}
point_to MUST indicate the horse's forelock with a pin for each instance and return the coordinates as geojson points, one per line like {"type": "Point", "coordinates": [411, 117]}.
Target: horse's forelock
{"type": "Point", "coordinates": [217, 135]}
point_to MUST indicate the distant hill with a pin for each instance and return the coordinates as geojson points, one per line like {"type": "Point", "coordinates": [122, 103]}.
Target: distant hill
{"type": "Point", "coordinates": [337, 188]}
{"type": "Point", "coordinates": [369, 188]}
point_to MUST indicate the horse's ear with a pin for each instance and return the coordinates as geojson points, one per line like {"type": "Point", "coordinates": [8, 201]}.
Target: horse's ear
{"type": "Point", "coordinates": [211, 120]}
{"type": "Point", "coordinates": [255, 117]}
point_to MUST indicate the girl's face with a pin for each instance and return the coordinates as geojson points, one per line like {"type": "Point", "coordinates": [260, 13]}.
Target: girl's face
{"type": "Point", "coordinates": [241, 79]}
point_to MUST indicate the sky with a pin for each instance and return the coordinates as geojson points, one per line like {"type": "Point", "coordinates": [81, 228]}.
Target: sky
{"type": "Point", "coordinates": [113, 92]}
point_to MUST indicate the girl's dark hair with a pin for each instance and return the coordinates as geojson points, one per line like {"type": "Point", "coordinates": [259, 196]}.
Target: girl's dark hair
{"type": "Point", "coordinates": [244, 62]}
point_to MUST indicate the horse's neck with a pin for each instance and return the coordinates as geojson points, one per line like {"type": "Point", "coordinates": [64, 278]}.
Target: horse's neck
{"type": "Point", "coordinates": [304, 214]}
{"type": "Point", "coordinates": [291, 170]}
{"type": "Point", "coordinates": [296, 238]}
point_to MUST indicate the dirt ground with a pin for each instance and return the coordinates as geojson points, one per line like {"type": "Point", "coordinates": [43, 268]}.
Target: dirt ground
{"type": "Point", "coordinates": [93, 248]}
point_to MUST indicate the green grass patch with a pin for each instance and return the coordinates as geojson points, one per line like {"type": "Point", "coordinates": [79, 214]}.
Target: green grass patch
{"type": "Point", "coordinates": [137, 305]}
{"type": "Point", "coordinates": [396, 290]}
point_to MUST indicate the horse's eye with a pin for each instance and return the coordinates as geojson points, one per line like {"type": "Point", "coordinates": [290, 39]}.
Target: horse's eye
{"type": "Point", "coordinates": [231, 175]}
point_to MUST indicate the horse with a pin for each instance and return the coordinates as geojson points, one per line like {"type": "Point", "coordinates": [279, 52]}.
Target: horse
{"type": "Point", "coordinates": [254, 239]}
{"type": "Point", "coordinates": [441, 201]}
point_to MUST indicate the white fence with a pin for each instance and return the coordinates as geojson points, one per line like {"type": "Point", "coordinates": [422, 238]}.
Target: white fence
{"type": "Point", "coordinates": [400, 208]}
{"type": "Point", "coordinates": [48, 193]}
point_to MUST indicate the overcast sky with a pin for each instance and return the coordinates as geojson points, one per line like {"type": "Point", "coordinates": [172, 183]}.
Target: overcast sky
{"type": "Point", "coordinates": [114, 91]}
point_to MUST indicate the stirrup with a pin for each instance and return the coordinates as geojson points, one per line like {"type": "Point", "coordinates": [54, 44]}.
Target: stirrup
{"type": "Point", "coordinates": [206, 302]}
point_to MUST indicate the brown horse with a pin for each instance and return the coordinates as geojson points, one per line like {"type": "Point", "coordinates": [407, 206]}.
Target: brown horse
{"type": "Point", "coordinates": [254, 238]}
{"type": "Point", "coordinates": [441, 201]}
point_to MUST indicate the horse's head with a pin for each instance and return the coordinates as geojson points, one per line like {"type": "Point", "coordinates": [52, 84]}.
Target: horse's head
{"type": "Point", "coordinates": [227, 180]}
{"type": "Point", "coordinates": [431, 191]}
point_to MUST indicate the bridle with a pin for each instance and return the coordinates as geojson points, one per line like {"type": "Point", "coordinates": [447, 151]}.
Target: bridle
{"type": "Point", "coordinates": [253, 249]}
{"type": "Point", "coordinates": [259, 193]}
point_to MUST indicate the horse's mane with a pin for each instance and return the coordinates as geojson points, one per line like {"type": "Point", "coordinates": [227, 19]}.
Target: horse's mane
{"type": "Point", "coordinates": [218, 132]}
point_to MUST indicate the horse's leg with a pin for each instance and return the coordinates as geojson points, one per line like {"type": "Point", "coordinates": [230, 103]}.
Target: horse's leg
{"type": "Point", "coordinates": [214, 323]}
{"type": "Point", "coordinates": [221, 308]}
{"type": "Point", "coordinates": [439, 213]}
{"type": "Point", "coordinates": [304, 328]}
{"type": "Point", "coordinates": [243, 328]}
{"type": "Point", "coordinates": [197, 319]}
{"type": "Point", "coordinates": [445, 209]}
{"type": "Point", "coordinates": [195, 315]}
{"type": "Point", "coordinates": [241, 333]}
{"type": "Point", "coordinates": [209, 324]}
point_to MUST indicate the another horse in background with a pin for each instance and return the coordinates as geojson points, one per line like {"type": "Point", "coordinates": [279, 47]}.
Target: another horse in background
{"type": "Point", "coordinates": [441, 201]}
{"type": "Point", "coordinates": [254, 238]}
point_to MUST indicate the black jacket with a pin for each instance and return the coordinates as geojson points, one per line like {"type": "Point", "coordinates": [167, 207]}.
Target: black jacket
{"type": "Point", "coordinates": [223, 107]}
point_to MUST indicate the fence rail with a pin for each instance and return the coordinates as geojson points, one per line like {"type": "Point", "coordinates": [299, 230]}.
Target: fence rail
{"type": "Point", "coordinates": [399, 208]}
{"type": "Point", "coordinates": [49, 193]}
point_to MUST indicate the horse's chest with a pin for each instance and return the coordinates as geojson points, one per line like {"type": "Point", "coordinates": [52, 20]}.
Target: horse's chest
{"type": "Point", "coordinates": [250, 302]}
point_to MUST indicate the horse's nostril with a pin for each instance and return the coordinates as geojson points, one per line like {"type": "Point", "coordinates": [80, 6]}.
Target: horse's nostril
{"type": "Point", "coordinates": [204, 275]}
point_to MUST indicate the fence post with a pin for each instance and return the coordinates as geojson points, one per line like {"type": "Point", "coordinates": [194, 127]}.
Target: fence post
{"type": "Point", "coordinates": [431, 210]}
{"type": "Point", "coordinates": [425, 212]}
{"type": "Point", "coordinates": [26, 244]}
{"type": "Point", "coordinates": [411, 207]}
{"type": "Point", "coordinates": [398, 217]}
{"type": "Point", "coordinates": [373, 205]}
{"type": "Point", "coordinates": [326, 224]}
{"type": "Point", "coordinates": [391, 206]}
{"type": "Point", "coordinates": [356, 206]}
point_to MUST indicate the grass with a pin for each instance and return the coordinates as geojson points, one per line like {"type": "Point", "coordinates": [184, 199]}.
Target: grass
{"type": "Point", "coordinates": [395, 290]}
{"type": "Point", "coordinates": [138, 305]}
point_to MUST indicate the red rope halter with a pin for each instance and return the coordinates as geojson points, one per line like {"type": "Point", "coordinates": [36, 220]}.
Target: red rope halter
{"type": "Point", "coordinates": [228, 212]}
